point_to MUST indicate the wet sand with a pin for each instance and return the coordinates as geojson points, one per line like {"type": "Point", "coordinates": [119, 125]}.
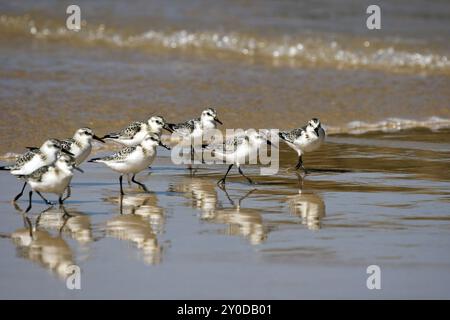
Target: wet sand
{"type": "Point", "coordinates": [369, 199]}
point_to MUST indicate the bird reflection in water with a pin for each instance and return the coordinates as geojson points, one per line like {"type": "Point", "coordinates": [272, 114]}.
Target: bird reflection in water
{"type": "Point", "coordinates": [74, 223]}
{"type": "Point", "coordinates": [39, 246]}
{"type": "Point", "coordinates": [240, 221]}
{"type": "Point", "coordinates": [244, 222]}
{"type": "Point", "coordinates": [308, 206]}
{"type": "Point", "coordinates": [201, 194]}
{"type": "Point", "coordinates": [144, 205]}
{"type": "Point", "coordinates": [139, 215]}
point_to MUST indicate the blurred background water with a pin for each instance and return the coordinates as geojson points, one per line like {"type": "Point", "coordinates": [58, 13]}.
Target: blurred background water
{"type": "Point", "coordinates": [260, 63]}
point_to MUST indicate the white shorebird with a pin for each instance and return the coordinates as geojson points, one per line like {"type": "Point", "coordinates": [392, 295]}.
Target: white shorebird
{"type": "Point", "coordinates": [135, 132]}
{"type": "Point", "coordinates": [306, 139]}
{"type": "Point", "coordinates": [81, 144]}
{"type": "Point", "coordinates": [237, 149]}
{"type": "Point", "coordinates": [53, 178]}
{"type": "Point", "coordinates": [195, 130]}
{"type": "Point", "coordinates": [34, 159]}
{"type": "Point", "coordinates": [132, 160]}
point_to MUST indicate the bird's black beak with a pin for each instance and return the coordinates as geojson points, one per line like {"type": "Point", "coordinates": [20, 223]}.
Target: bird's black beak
{"type": "Point", "coordinates": [316, 130]}
{"type": "Point", "coordinates": [217, 120]}
{"type": "Point", "coordinates": [167, 127]}
{"type": "Point", "coordinates": [78, 169]}
{"type": "Point", "coordinates": [67, 152]}
{"type": "Point", "coordinates": [164, 146]}
{"type": "Point", "coordinates": [98, 138]}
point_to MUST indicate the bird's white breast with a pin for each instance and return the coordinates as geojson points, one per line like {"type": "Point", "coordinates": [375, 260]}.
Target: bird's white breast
{"type": "Point", "coordinates": [310, 141]}
{"type": "Point", "coordinates": [52, 182]}
{"type": "Point", "coordinates": [134, 162]}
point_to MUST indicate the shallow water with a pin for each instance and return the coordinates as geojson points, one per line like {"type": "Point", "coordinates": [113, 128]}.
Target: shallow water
{"type": "Point", "coordinates": [367, 200]}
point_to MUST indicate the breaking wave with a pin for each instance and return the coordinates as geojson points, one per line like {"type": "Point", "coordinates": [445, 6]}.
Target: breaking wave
{"type": "Point", "coordinates": [390, 125]}
{"type": "Point", "coordinates": [300, 51]}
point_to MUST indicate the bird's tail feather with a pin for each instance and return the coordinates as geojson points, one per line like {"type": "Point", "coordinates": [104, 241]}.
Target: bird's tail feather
{"type": "Point", "coordinates": [5, 168]}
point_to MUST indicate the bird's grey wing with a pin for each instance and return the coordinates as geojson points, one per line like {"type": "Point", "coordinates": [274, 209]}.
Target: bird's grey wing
{"type": "Point", "coordinates": [228, 145]}
{"type": "Point", "coordinates": [23, 158]}
{"type": "Point", "coordinates": [126, 133]}
{"type": "Point", "coordinates": [37, 174]}
{"type": "Point", "coordinates": [184, 128]}
{"type": "Point", "coordinates": [291, 136]}
{"type": "Point", "coordinates": [120, 155]}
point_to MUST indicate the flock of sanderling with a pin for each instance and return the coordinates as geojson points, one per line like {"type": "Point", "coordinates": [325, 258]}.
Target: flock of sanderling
{"type": "Point", "coordinates": [49, 169]}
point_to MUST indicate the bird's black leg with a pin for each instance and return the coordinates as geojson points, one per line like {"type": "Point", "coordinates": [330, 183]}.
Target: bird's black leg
{"type": "Point", "coordinates": [139, 183]}
{"type": "Point", "coordinates": [21, 192]}
{"type": "Point", "coordinates": [69, 193]}
{"type": "Point", "coordinates": [248, 179]}
{"type": "Point", "coordinates": [300, 164]}
{"type": "Point", "coordinates": [222, 181]}
{"type": "Point", "coordinates": [192, 150]}
{"type": "Point", "coordinates": [121, 204]}
{"type": "Point", "coordinates": [121, 188]}
{"type": "Point", "coordinates": [29, 201]}
{"type": "Point", "coordinates": [203, 153]}
{"type": "Point", "coordinates": [60, 200]}
{"type": "Point", "coordinates": [45, 200]}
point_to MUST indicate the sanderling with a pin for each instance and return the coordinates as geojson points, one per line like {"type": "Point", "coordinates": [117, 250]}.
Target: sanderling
{"type": "Point", "coordinates": [305, 139]}
{"type": "Point", "coordinates": [237, 149]}
{"type": "Point", "coordinates": [34, 159]}
{"type": "Point", "coordinates": [195, 130]}
{"type": "Point", "coordinates": [135, 133]}
{"type": "Point", "coordinates": [52, 178]}
{"type": "Point", "coordinates": [133, 159]}
{"type": "Point", "coordinates": [81, 144]}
